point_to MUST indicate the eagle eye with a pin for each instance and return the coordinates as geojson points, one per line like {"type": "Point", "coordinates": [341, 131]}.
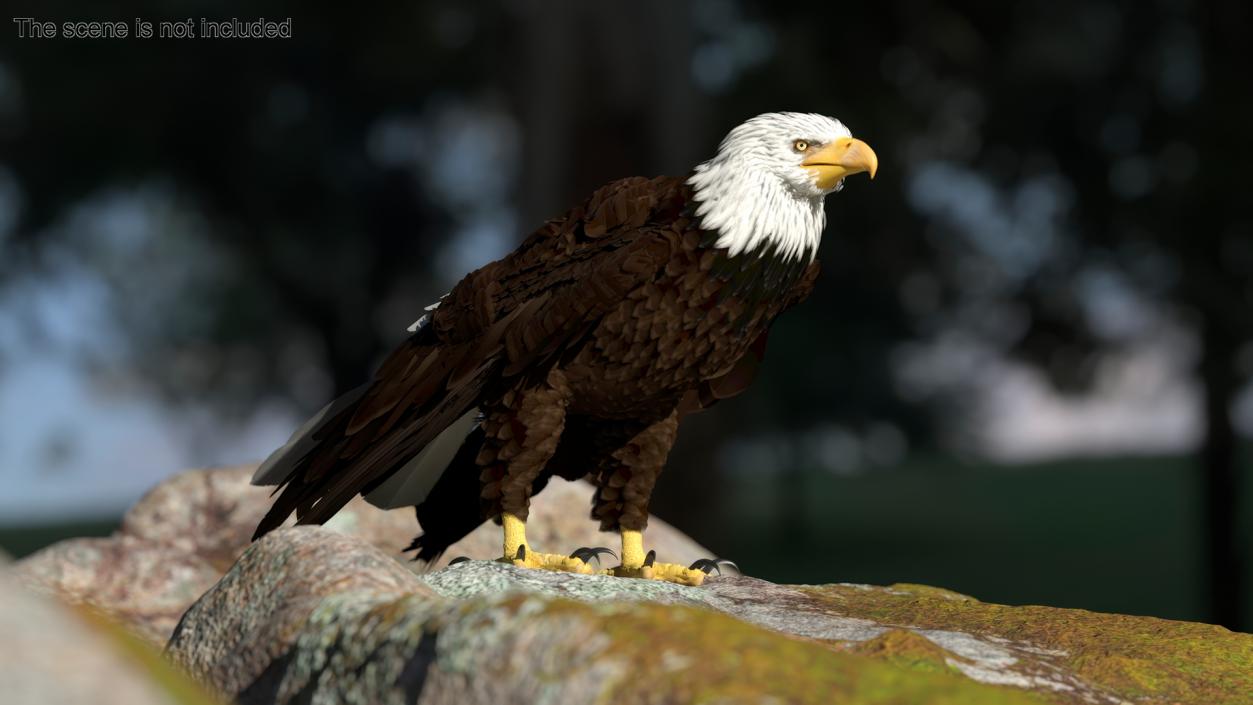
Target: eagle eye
{"type": "Point", "coordinates": [800, 145]}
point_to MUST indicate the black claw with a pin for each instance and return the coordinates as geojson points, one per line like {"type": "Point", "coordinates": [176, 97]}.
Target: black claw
{"type": "Point", "coordinates": [521, 554]}
{"type": "Point", "coordinates": [708, 565]}
{"type": "Point", "coordinates": [459, 559]}
{"type": "Point", "coordinates": [649, 559]}
{"type": "Point", "coordinates": [587, 554]}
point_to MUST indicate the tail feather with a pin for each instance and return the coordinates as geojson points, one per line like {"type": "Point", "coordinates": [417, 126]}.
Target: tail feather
{"type": "Point", "coordinates": [282, 462]}
{"type": "Point", "coordinates": [381, 459]}
{"type": "Point", "coordinates": [362, 439]}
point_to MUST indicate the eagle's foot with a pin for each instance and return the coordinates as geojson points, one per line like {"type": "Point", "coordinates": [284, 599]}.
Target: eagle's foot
{"type": "Point", "coordinates": [548, 561]}
{"type": "Point", "coordinates": [652, 570]}
{"type": "Point", "coordinates": [637, 564]}
{"type": "Point", "coordinates": [519, 555]}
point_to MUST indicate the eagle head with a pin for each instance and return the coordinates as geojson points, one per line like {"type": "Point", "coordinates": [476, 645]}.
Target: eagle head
{"type": "Point", "coordinates": [764, 189]}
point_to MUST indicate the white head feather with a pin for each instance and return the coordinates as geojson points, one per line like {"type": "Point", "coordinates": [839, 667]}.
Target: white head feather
{"type": "Point", "coordinates": [755, 191]}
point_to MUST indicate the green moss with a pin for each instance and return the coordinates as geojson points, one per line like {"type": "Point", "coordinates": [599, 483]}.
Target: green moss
{"type": "Point", "coordinates": [909, 650]}
{"type": "Point", "coordinates": [699, 656]}
{"type": "Point", "coordinates": [1131, 657]}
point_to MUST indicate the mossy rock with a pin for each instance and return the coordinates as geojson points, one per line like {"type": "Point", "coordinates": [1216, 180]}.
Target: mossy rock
{"type": "Point", "coordinates": [1123, 658]}
{"type": "Point", "coordinates": [307, 615]}
{"type": "Point", "coordinates": [909, 650]}
{"type": "Point", "coordinates": [532, 648]}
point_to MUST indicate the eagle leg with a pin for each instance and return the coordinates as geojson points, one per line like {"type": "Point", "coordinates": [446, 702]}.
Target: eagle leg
{"type": "Point", "coordinates": [637, 564]}
{"type": "Point", "coordinates": [625, 476]}
{"type": "Point", "coordinates": [521, 433]}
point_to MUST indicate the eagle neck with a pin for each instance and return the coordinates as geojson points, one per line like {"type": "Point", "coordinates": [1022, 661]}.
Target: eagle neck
{"type": "Point", "coordinates": [754, 211]}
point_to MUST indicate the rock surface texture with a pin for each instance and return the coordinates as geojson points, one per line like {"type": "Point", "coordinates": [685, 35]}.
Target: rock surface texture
{"type": "Point", "coordinates": [52, 654]}
{"type": "Point", "coordinates": [184, 534]}
{"type": "Point", "coordinates": [311, 616]}
{"type": "Point", "coordinates": [330, 615]}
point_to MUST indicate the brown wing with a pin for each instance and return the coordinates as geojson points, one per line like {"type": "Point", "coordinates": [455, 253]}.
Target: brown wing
{"type": "Point", "coordinates": [505, 319]}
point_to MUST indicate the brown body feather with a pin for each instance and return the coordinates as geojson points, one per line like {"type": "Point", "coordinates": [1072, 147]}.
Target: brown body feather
{"type": "Point", "coordinates": [583, 348]}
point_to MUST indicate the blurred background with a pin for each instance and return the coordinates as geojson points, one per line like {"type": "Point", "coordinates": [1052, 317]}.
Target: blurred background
{"type": "Point", "coordinates": [1026, 374]}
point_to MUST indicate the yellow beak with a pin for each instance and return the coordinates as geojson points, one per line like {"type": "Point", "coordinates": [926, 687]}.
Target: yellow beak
{"type": "Point", "coordinates": [839, 159]}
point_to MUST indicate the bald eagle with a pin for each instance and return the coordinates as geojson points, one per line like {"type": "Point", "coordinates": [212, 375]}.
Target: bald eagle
{"type": "Point", "coordinates": [578, 354]}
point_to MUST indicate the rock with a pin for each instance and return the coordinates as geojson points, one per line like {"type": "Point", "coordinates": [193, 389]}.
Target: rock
{"type": "Point", "coordinates": [308, 615]}
{"type": "Point", "coordinates": [212, 514]}
{"type": "Point", "coordinates": [186, 532]}
{"type": "Point", "coordinates": [313, 614]}
{"type": "Point", "coordinates": [261, 604]}
{"type": "Point", "coordinates": [50, 655]}
{"type": "Point", "coordinates": [143, 584]}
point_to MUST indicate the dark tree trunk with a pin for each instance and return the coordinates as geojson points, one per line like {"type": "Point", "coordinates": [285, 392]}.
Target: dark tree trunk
{"type": "Point", "coordinates": [602, 92]}
{"type": "Point", "coordinates": [1221, 115]}
{"type": "Point", "coordinates": [1221, 469]}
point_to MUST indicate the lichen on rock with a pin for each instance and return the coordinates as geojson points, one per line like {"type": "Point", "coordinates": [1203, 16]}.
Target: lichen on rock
{"type": "Point", "coordinates": [487, 632]}
{"type": "Point", "coordinates": [1102, 657]}
{"type": "Point", "coordinates": [484, 631]}
{"type": "Point", "coordinates": [330, 615]}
